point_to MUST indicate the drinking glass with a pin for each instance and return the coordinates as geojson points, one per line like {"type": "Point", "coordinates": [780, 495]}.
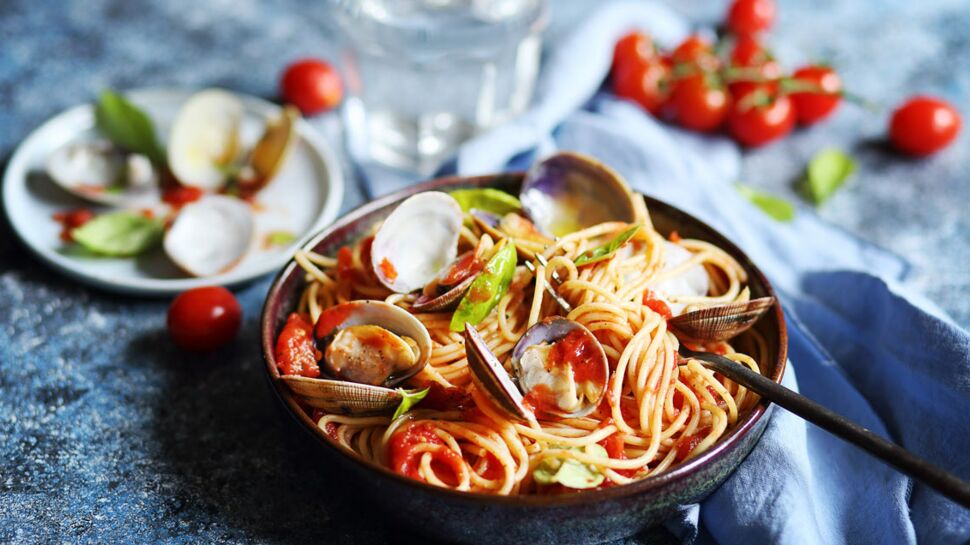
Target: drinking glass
{"type": "Point", "coordinates": [423, 76]}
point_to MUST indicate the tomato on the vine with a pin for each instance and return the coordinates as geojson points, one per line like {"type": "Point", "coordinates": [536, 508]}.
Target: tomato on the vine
{"type": "Point", "coordinates": [311, 85]}
{"type": "Point", "coordinates": [645, 82]}
{"type": "Point", "coordinates": [924, 125]}
{"type": "Point", "coordinates": [632, 48]}
{"type": "Point", "coordinates": [750, 16]}
{"type": "Point", "coordinates": [815, 105]}
{"type": "Point", "coordinates": [761, 115]}
{"type": "Point", "coordinates": [203, 319]}
{"type": "Point", "coordinates": [751, 63]}
{"type": "Point", "coordinates": [697, 51]}
{"type": "Point", "coordinates": [699, 102]}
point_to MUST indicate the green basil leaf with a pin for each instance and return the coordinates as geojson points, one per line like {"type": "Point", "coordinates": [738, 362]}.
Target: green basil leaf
{"type": "Point", "coordinates": [571, 473]}
{"type": "Point", "coordinates": [827, 172]}
{"type": "Point", "coordinates": [127, 126]}
{"type": "Point", "coordinates": [120, 234]}
{"type": "Point", "coordinates": [776, 207]}
{"type": "Point", "coordinates": [409, 399]}
{"type": "Point", "coordinates": [279, 238]}
{"type": "Point", "coordinates": [487, 289]}
{"type": "Point", "coordinates": [605, 251]}
{"type": "Point", "coordinates": [487, 199]}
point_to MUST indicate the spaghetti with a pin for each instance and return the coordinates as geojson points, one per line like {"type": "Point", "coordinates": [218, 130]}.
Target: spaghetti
{"type": "Point", "coordinates": [658, 411]}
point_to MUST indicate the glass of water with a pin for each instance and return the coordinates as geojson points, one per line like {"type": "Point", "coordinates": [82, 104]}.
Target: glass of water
{"type": "Point", "coordinates": [423, 76]}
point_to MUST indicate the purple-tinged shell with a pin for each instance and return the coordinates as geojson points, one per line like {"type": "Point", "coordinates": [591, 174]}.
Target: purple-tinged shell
{"type": "Point", "coordinates": [491, 378]}
{"type": "Point", "coordinates": [720, 323]}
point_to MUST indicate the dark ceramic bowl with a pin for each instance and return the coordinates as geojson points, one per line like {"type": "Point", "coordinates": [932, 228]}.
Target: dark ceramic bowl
{"type": "Point", "coordinates": [585, 517]}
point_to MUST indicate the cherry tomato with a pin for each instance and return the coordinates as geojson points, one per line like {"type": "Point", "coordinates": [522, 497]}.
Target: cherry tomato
{"type": "Point", "coordinates": [203, 319]}
{"type": "Point", "coordinates": [761, 115]}
{"type": "Point", "coordinates": [750, 16]}
{"type": "Point", "coordinates": [695, 51]}
{"type": "Point", "coordinates": [71, 220]}
{"type": "Point", "coordinates": [312, 86]}
{"type": "Point", "coordinates": [813, 106]}
{"type": "Point", "coordinates": [632, 48]}
{"type": "Point", "coordinates": [750, 63]}
{"type": "Point", "coordinates": [698, 103]}
{"type": "Point", "coordinates": [645, 82]}
{"type": "Point", "coordinates": [924, 125]}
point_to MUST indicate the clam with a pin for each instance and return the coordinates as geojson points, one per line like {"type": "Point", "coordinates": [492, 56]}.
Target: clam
{"type": "Point", "coordinates": [417, 241]}
{"type": "Point", "coordinates": [211, 235]}
{"type": "Point", "coordinates": [97, 171]}
{"type": "Point", "coordinates": [270, 152]}
{"type": "Point", "coordinates": [721, 322]}
{"type": "Point", "coordinates": [567, 191]}
{"type": "Point", "coordinates": [558, 364]}
{"type": "Point", "coordinates": [528, 240]}
{"type": "Point", "coordinates": [367, 348]}
{"type": "Point", "coordinates": [491, 378]}
{"type": "Point", "coordinates": [205, 139]}
{"type": "Point", "coordinates": [447, 289]}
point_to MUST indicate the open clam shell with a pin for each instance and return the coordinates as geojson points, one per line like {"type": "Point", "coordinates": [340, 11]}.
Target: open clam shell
{"type": "Point", "coordinates": [97, 171]}
{"type": "Point", "coordinates": [210, 235]}
{"type": "Point", "coordinates": [205, 138]}
{"type": "Point", "coordinates": [573, 388]}
{"type": "Point", "coordinates": [272, 149]}
{"type": "Point", "coordinates": [371, 363]}
{"type": "Point", "coordinates": [446, 291]}
{"type": "Point", "coordinates": [491, 378]}
{"type": "Point", "coordinates": [338, 396]}
{"type": "Point", "coordinates": [720, 323]}
{"type": "Point", "coordinates": [568, 191]}
{"type": "Point", "coordinates": [417, 241]}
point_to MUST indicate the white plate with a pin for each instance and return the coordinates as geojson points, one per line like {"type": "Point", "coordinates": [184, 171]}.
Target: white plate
{"type": "Point", "coordinates": [304, 197]}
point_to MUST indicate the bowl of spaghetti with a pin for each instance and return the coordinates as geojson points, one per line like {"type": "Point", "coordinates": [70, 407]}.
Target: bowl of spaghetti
{"type": "Point", "coordinates": [663, 434]}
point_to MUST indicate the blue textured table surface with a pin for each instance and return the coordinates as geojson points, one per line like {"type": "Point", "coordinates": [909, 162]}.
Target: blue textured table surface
{"type": "Point", "coordinates": [109, 434]}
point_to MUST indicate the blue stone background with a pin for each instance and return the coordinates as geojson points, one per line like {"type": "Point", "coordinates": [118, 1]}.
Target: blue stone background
{"type": "Point", "coordinates": [109, 434]}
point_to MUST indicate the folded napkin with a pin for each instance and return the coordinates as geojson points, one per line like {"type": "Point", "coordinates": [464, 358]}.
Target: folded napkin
{"type": "Point", "coordinates": [858, 343]}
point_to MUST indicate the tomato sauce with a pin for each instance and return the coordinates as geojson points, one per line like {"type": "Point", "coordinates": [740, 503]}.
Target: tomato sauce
{"type": "Point", "coordinates": [179, 196]}
{"type": "Point", "coordinates": [466, 266]}
{"type": "Point", "coordinates": [686, 444]}
{"type": "Point", "coordinates": [330, 319]}
{"type": "Point", "coordinates": [296, 353]}
{"type": "Point", "coordinates": [584, 358]}
{"type": "Point", "coordinates": [541, 401]}
{"type": "Point", "coordinates": [614, 446]}
{"type": "Point", "coordinates": [674, 237]}
{"type": "Point", "coordinates": [442, 398]}
{"type": "Point", "coordinates": [650, 299]}
{"type": "Point", "coordinates": [71, 220]}
{"type": "Point", "coordinates": [405, 458]}
{"type": "Point", "coordinates": [388, 270]}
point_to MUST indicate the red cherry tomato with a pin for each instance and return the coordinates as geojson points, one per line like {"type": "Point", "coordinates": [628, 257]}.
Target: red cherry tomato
{"type": "Point", "coordinates": [696, 51]}
{"type": "Point", "coordinates": [632, 48]}
{"type": "Point", "coordinates": [203, 319]}
{"type": "Point", "coordinates": [312, 86]}
{"type": "Point", "coordinates": [71, 220]}
{"type": "Point", "coordinates": [645, 82]}
{"type": "Point", "coordinates": [924, 125]}
{"type": "Point", "coordinates": [761, 115]}
{"type": "Point", "coordinates": [750, 16]}
{"type": "Point", "coordinates": [699, 104]}
{"type": "Point", "coordinates": [813, 106]}
{"type": "Point", "coordinates": [751, 63]}
{"type": "Point", "coordinates": [748, 51]}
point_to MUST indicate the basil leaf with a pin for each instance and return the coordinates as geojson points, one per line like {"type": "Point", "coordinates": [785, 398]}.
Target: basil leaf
{"type": "Point", "coordinates": [776, 207]}
{"type": "Point", "coordinates": [127, 126]}
{"type": "Point", "coordinates": [120, 234]}
{"type": "Point", "coordinates": [569, 472]}
{"type": "Point", "coordinates": [487, 289]}
{"type": "Point", "coordinates": [409, 399]}
{"type": "Point", "coordinates": [605, 251]}
{"type": "Point", "coordinates": [279, 238]}
{"type": "Point", "coordinates": [827, 172]}
{"type": "Point", "coordinates": [487, 199]}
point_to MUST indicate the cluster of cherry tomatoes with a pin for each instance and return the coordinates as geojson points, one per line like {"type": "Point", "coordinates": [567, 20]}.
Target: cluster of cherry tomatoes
{"type": "Point", "coordinates": [739, 86]}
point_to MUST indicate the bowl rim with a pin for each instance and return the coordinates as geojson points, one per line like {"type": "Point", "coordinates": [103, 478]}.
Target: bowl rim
{"type": "Point", "coordinates": [642, 486]}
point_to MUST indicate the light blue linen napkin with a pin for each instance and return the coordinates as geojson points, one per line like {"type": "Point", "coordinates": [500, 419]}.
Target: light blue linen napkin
{"type": "Point", "coordinates": [858, 343]}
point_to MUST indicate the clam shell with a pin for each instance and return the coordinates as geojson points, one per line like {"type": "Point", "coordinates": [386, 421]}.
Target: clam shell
{"type": "Point", "coordinates": [491, 378]}
{"type": "Point", "coordinates": [447, 300]}
{"type": "Point", "coordinates": [92, 169]}
{"type": "Point", "coordinates": [551, 330]}
{"type": "Point", "coordinates": [568, 191]}
{"type": "Point", "coordinates": [337, 396]}
{"type": "Point", "coordinates": [270, 152]}
{"type": "Point", "coordinates": [392, 318]}
{"type": "Point", "coordinates": [211, 235]}
{"type": "Point", "coordinates": [720, 323]}
{"type": "Point", "coordinates": [205, 136]}
{"type": "Point", "coordinates": [417, 241]}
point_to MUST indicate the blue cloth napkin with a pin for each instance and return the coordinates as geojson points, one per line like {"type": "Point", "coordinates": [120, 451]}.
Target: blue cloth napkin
{"type": "Point", "coordinates": [859, 343]}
